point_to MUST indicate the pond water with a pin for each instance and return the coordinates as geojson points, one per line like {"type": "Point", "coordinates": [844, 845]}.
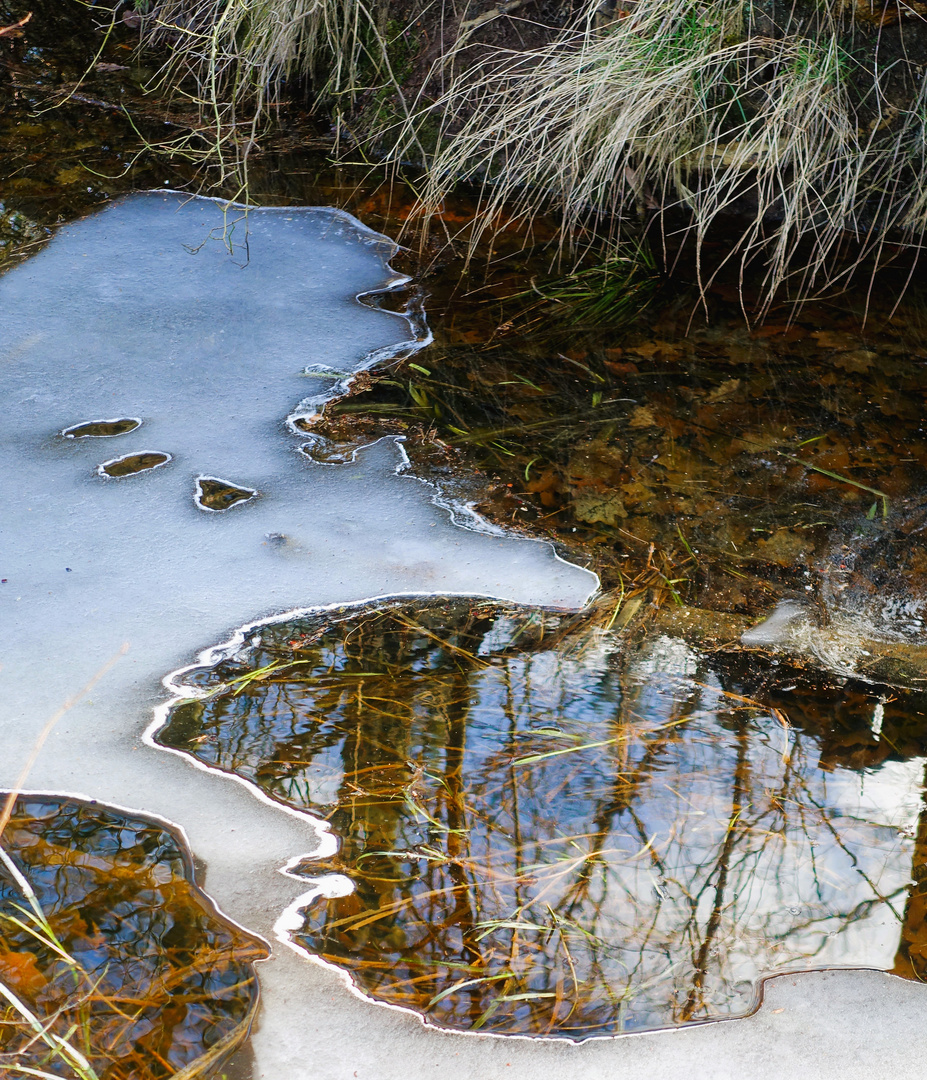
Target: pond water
{"type": "Point", "coordinates": [103, 931]}
{"type": "Point", "coordinates": [548, 832]}
{"type": "Point", "coordinates": [504, 817]}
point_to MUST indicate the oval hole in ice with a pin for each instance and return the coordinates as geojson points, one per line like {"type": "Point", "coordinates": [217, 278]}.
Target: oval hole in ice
{"type": "Point", "coordinates": [216, 495]}
{"type": "Point", "coordinates": [129, 464]}
{"type": "Point", "coordinates": [325, 452]}
{"type": "Point", "coordinates": [102, 429]}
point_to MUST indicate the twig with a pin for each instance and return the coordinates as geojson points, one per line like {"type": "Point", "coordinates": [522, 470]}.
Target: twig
{"type": "Point", "coordinates": [500, 9]}
{"type": "Point", "coordinates": [15, 29]}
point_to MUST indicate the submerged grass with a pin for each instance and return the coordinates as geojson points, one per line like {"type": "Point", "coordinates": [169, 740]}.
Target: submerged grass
{"type": "Point", "coordinates": [111, 965]}
{"type": "Point", "coordinates": [611, 293]}
{"type": "Point", "coordinates": [556, 828]}
{"type": "Point", "coordinates": [37, 927]}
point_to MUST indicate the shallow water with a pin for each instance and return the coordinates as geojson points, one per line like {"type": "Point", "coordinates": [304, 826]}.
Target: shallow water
{"type": "Point", "coordinates": [549, 833]}
{"type": "Point", "coordinates": [118, 946]}
{"type": "Point", "coordinates": [785, 456]}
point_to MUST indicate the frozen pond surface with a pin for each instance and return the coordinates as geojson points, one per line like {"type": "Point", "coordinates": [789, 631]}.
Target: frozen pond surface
{"type": "Point", "coordinates": [192, 358]}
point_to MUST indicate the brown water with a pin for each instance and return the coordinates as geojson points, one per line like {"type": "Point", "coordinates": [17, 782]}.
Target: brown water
{"type": "Point", "coordinates": [118, 951]}
{"type": "Point", "coordinates": [746, 457]}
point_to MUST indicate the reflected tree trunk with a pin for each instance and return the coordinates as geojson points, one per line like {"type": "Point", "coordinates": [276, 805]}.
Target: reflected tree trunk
{"type": "Point", "coordinates": [695, 1000]}
{"type": "Point", "coordinates": [463, 915]}
{"type": "Point", "coordinates": [911, 958]}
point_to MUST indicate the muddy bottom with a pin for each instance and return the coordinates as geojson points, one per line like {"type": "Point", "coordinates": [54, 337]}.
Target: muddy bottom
{"type": "Point", "coordinates": [726, 466]}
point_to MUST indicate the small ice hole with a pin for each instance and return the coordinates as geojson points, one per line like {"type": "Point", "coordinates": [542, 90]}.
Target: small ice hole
{"type": "Point", "coordinates": [102, 429]}
{"type": "Point", "coordinates": [129, 464]}
{"type": "Point", "coordinates": [216, 495]}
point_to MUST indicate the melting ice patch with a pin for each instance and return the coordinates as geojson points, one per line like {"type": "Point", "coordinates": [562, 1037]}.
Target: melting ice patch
{"type": "Point", "coordinates": [156, 310]}
{"type": "Point", "coordinates": [787, 623]}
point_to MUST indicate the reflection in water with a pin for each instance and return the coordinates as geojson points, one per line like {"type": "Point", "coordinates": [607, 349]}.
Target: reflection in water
{"type": "Point", "coordinates": [132, 964]}
{"type": "Point", "coordinates": [551, 834]}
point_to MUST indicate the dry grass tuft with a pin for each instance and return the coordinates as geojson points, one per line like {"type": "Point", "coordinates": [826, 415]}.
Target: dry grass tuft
{"type": "Point", "coordinates": [677, 110]}
{"type": "Point", "coordinates": [230, 60]}
{"type": "Point", "coordinates": [675, 107]}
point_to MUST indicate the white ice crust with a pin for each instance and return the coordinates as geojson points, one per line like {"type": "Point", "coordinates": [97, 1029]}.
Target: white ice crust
{"type": "Point", "coordinates": [202, 322]}
{"type": "Point", "coordinates": [207, 323]}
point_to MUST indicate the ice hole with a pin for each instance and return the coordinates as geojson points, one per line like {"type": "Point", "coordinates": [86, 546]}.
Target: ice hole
{"type": "Point", "coordinates": [217, 495]}
{"type": "Point", "coordinates": [129, 464]}
{"type": "Point", "coordinates": [102, 429]}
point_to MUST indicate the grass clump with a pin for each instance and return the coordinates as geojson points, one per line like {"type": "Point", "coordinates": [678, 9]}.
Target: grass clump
{"type": "Point", "coordinates": [804, 138]}
{"type": "Point", "coordinates": [231, 59]}
{"type": "Point", "coordinates": [676, 111]}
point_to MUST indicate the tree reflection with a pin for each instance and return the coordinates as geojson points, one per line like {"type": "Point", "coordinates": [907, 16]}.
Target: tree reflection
{"type": "Point", "coordinates": [550, 833]}
{"type": "Point", "coordinates": [106, 938]}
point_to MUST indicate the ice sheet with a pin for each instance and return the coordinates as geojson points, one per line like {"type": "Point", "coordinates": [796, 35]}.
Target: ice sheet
{"type": "Point", "coordinates": [142, 311]}
{"type": "Point", "coordinates": [200, 322]}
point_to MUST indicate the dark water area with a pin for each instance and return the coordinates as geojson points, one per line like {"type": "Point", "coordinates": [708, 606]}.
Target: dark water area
{"type": "Point", "coordinates": [750, 458]}
{"type": "Point", "coordinates": [551, 832]}
{"type": "Point", "coordinates": [549, 825]}
{"type": "Point", "coordinates": [106, 937]}
{"type": "Point", "coordinates": [67, 142]}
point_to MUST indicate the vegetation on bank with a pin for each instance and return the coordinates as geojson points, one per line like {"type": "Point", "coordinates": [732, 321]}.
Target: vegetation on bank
{"type": "Point", "coordinates": [798, 127]}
